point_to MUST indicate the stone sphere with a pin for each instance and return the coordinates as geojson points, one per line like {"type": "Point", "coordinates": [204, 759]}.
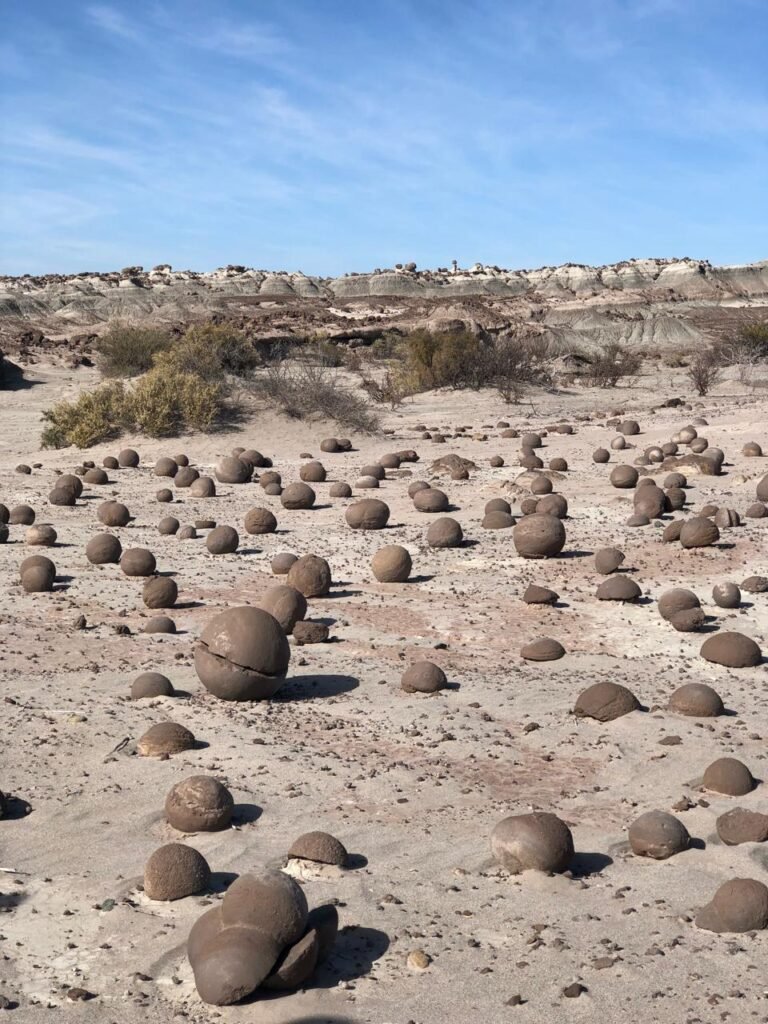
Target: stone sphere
{"type": "Point", "coordinates": [423, 677]}
{"type": "Point", "coordinates": [497, 520]}
{"type": "Point", "coordinates": [181, 460]}
{"type": "Point", "coordinates": [757, 510]}
{"type": "Point", "coordinates": [729, 776]}
{"type": "Point", "coordinates": [675, 499]}
{"type": "Point", "coordinates": [298, 496]}
{"type": "Point", "coordinates": [558, 465]}
{"type": "Point", "coordinates": [311, 575]}
{"type": "Point", "coordinates": [40, 535]}
{"type": "Point", "coordinates": [605, 702]}
{"type": "Point", "coordinates": [113, 513]}
{"type": "Point", "coordinates": [340, 489]}
{"type": "Point", "coordinates": [497, 505]}
{"type": "Point", "coordinates": [761, 491]}
{"type": "Point", "coordinates": [37, 579]}
{"type": "Point", "coordinates": [366, 483]}
{"type": "Point", "coordinates": [538, 841]}
{"type": "Point", "coordinates": [203, 487]}
{"type": "Point", "coordinates": [697, 700]}
{"type": "Point", "coordinates": [624, 476]}
{"type": "Point", "coordinates": [166, 467]}
{"type": "Point", "coordinates": [601, 455]}
{"type": "Point", "coordinates": [282, 562]}
{"type": "Point", "coordinates": [138, 562]}
{"type": "Point", "coordinates": [535, 594]}
{"type": "Point", "coordinates": [320, 847]}
{"type": "Point", "coordinates": [740, 905]}
{"type": "Point", "coordinates": [752, 450]}
{"type": "Point", "coordinates": [312, 472]}
{"type": "Point", "coordinates": [21, 515]}
{"type": "Point", "coordinates": [734, 650]}
{"type": "Point", "coordinates": [330, 444]}
{"type": "Point", "coordinates": [232, 964]}
{"type": "Point", "coordinates": [678, 600]}
{"type": "Point", "coordinates": [726, 595]}
{"type": "Point", "coordinates": [699, 532]}
{"type": "Point", "coordinates": [390, 461]}
{"type": "Point", "coordinates": [187, 533]}
{"type": "Point", "coordinates": [165, 738]}
{"type": "Point", "coordinates": [618, 588]}
{"type": "Point", "coordinates": [742, 826]}
{"type": "Point", "coordinates": [608, 560]}
{"type": "Point", "coordinates": [391, 564]}
{"type": "Point", "coordinates": [431, 499]}
{"type": "Point", "coordinates": [160, 592]}
{"type": "Point", "coordinates": [416, 486]}
{"type": "Point", "coordinates": [658, 835]}
{"type": "Point", "coordinates": [128, 458]}
{"type": "Point", "coordinates": [286, 604]}
{"type": "Point", "coordinates": [367, 514]}
{"type": "Point", "coordinates": [242, 654]}
{"type": "Point", "coordinates": [168, 525]}
{"type": "Point", "coordinates": [374, 469]}
{"type": "Point", "coordinates": [103, 549]}
{"type": "Point", "coordinates": [618, 444]}
{"type": "Point", "coordinates": [270, 901]}
{"type": "Point", "coordinates": [63, 497]}
{"type": "Point", "coordinates": [96, 476]}
{"type": "Point", "coordinates": [270, 477]}
{"type": "Point", "coordinates": [545, 649]}
{"type": "Point", "coordinates": [496, 462]}
{"type": "Point", "coordinates": [174, 871]}
{"type": "Point", "coordinates": [259, 520]}
{"type": "Point", "coordinates": [164, 495]}
{"type": "Point", "coordinates": [651, 502]}
{"type": "Point", "coordinates": [151, 684]}
{"type": "Point", "coordinates": [445, 533]}
{"type": "Point", "coordinates": [199, 803]}
{"type": "Point", "coordinates": [541, 485]}
{"type": "Point", "coordinates": [553, 505]}
{"type": "Point", "coordinates": [629, 427]}
{"type": "Point", "coordinates": [232, 470]}
{"type": "Point", "coordinates": [539, 536]}
{"type": "Point", "coordinates": [672, 531]}
{"type": "Point", "coordinates": [222, 540]}
{"type": "Point", "coordinates": [185, 477]}
{"type": "Point", "coordinates": [72, 482]}
{"type": "Point", "coordinates": [160, 624]}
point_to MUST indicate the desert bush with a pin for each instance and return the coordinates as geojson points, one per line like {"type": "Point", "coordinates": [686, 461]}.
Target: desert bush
{"type": "Point", "coordinates": [308, 391]}
{"type": "Point", "coordinates": [127, 351]}
{"type": "Point", "coordinates": [391, 390]}
{"type": "Point", "coordinates": [705, 370]}
{"type": "Point", "coordinates": [512, 365]}
{"type": "Point", "coordinates": [388, 346]}
{"type": "Point", "coordinates": [164, 402]}
{"type": "Point", "coordinates": [674, 359]}
{"type": "Point", "coordinates": [612, 363]}
{"type": "Point", "coordinates": [747, 350]}
{"type": "Point", "coordinates": [95, 416]}
{"type": "Point", "coordinates": [211, 351]}
{"type": "Point", "coordinates": [438, 359]}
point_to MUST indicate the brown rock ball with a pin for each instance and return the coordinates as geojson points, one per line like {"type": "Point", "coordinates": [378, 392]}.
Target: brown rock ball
{"type": "Point", "coordinates": [309, 632]}
{"type": "Point", "coordinates": [431, 499]}
{"type": "Point", "coordinates": [110, 462]}
{"type": "Point", "coordinates": [174, 871]}
{"type": "Point", "coordinates": [128, 458]}
{"type": "Point", "coordinates": [742, 826]}
{"type": "Point", "coordinates": [658, 835]}
{"type": "Point", "coordinates": [340, 489]}
{"type": "Point", "coordinates": [757, 510]}
{"type": "Point", "coordinates": [755, 584]}
{"type": "Point", "coordinates": [242, 654]}
{"type": "Point", "coordinates": [269, 477]}
{"type": "Point", "coordinates": [62, 497]}
{"type": "Point", "coordinates": [538, 841]}
{"type": "Point", "coordinates": [545, 649]}
{"type": "Point", "coordinates": [558, 465]}
{"type": "Point", "coordinates": [688, 621]}
{"type": "Point", "coordinates": [203, 487]}
{"type": "Point", "coordinates": [678, 600]}
{"type": "Point", "coordinates": [254, 458]}
{"type": "Point", "coordinates": [151, 684]}
{"type": "Point", "coordinates": [531, 462]}
{"type": "Point", "coordinates": [296, 965]}
{"type": "Point", "coordinates": [21, 515]}
{"type": "Point", "coordinates": [282, 562]}
{"type": "Point", "coordinates": [259, 520]}
{"type": "Point", "coordinates": [166, 467]}
{"type": "Point", "coordinates": [187, 533]}
{"type": "Point", "coordinates": [740, 905]}
{"type": "Point", "coordinates": [43, 560]}
{"type": "Point", "coordinates": [298, 496]}
{"type": "Point", "coordinates": [286, 604]}
{"type": "Point", "coordinates": [752, 450]}
{"type": "Point", "coordinates": [553, 505]}
{"type": "Point", "coordinates": [605, 702]}
{"type": "Point", "coordinates": [36, 580]}
{"type": "Point", "coordinates": [391, 564]}
{"type": "Point", "coordinates": [697, 700]}
{"type": "Point", "coordinates": [650, 502]}
{"type": "Point", "coordinates": [709, 511]}
{"type": "Point", "coordinates": [601, 455]}
{"type": "Point", "coordinates": [416, 486]}
{"type": "Point", "coordinates": [624, 476]}
{"type": "Point", "coordinates": [445, 532]}
{"type": "Point", "coordinates": [374, 469]}
{"type": "Point", "coordinates": [672, 531]}
{"type": "Point", "coordinates": [367, 514]}
{"type": "Point", "coordinates": [496, 462]}
{"type": "Point", "coordinates": [70, 481]}
{"type": "Point", "coordinates": [5, 514]}
{"type": "Point", "coordinates": [311, 575]}
{"type": "Point", "coordinates": [761, 492]}
{"type": "Point", "coordinates": [160, 624]}
{"type": "Point", "coordinates": [541, 485]}
{"type": "Point", "coordinates": [222, 540]}
{"type": "Point", "coordinates": [734, 650]}
{"type": "Point", "coordinates": [199, 803]}
{"type": "Point", "coordinates": [730, 776]}
{"type": "Point", "coordinates": [168, 525]}
{"type": "Point", "coordinates": [497, 521]}
{"type": "Point", "coordinates": [535, 594]}
{"type": "Point", "coordinates": [320, 847]}
{"type": "Point", "coordinates": [40, 535]}
{"type": "Point", "coordinates": [531, 440]}
{"type": "Point", "coordinates": [330, 444]}
{"type": "Point", "coordinates": [232, 965]}
{"type": "Point", "coordinates": [629, 427]}
{"type": "Point", "coordinates": [312, 472]}
{"type": "Point", "coordinates": [539, 536]}
{"type": "Point", "coordinates": [675, 480]}
{"type": "Point", "coordinates": [423, 677]}
{"type": "Point", "coordinates": [164, 495]}
{"type": "Point", "coordinates": [638, 519]}
{"type": "Point", "coordinates": [113, 513]}
{"type": "Point", "coordinates": [618, 444]}
{"type": "Point", "coordinates": [181, 460]}
{"type": "Point", "coordinates": [165, 738]}
{"type": "Point", "coordinates": [618, 588]}
{"type": "Point", "coordinates": [366, 483]}
{"type": "Point", "coordinates": [608, 560]}
{"type": "Point", "coordinates": [96, 476]}
{"type": "Point", "coordinates": [497, 505]}
{"type": "Point", "coordinates": [160, 592]}
{"type": "Point", "coordinates": [727, 518]}
{"type": "Point", "coordinates": [232, 470]}
{"type": "Point", "coordinates": [675, 499]}
{"type": "Point", "coordinates": [185, 477]}
{"type": "Point", "coordinates": [138, 562]}
{"type": "Point", "coordinates": [270, 901]}
{"type": "Point", "coordinates": [103, 549]}
{"type": "Point", "coordinates": [726, 595]}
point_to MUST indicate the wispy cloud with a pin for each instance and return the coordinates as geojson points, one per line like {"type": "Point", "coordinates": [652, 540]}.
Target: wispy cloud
{"type": "Point", "coordinates": [112, 21]}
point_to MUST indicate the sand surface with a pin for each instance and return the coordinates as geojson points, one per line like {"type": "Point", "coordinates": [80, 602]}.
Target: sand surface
{"type": "Point", "coordinates": [411, 784]}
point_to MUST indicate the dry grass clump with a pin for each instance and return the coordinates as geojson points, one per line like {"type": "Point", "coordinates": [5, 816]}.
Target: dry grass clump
{"type": "Point", "coordinates": [307, 391]}
{"type": "Point", "coordinates": [128, 351]}
{"type": "Point", "coordinates": [613, 363]}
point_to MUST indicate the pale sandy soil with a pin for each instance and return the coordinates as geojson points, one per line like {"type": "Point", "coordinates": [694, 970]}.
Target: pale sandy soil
{"type": "Point", "coordinates": [412, 785]}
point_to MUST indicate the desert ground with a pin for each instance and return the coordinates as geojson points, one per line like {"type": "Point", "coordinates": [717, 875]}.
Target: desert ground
{"type": "Point", "coordinates": [412, 784]}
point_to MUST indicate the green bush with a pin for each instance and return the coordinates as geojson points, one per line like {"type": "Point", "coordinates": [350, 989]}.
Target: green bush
{"type": "Point", "coordinates": [438, 359]}
{"type": "Point", "coordinates": [211, 351]}
{"type": "Point", "coordinates": [95, 416]}
{"type": "Point", "coordinates": [125, 351]}
{"type": "Point", "coordinates": [166, 401]}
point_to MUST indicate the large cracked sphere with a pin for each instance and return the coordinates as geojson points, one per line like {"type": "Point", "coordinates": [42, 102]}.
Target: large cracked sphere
{"type": "Point", "coordinates": [538, 840]}
{"type": "Point", "coordinates": [242, 654]}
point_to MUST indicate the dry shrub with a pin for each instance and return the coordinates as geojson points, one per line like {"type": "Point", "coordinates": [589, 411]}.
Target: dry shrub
{"type": "Point", "coordinates": [513, 365]}
{"type": "Point", "coordinates": [95, 416]}
{"type": "Point", "coordinates": [211, 351]}
{"type": "Point", "coordinates": [747, 350]}
{"type": "Point", "coordinates": [705, 370]}
{"type": "Point", "coordinates": [126, 351]}
{"type": "Point", "coordinates": [613, 363]}
{"type": "Point", "coordinates": [305, 391]}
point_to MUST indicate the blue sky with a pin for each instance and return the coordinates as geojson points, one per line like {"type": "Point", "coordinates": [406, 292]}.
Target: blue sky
{"type": "Point", "coordinates": [328, 136]}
